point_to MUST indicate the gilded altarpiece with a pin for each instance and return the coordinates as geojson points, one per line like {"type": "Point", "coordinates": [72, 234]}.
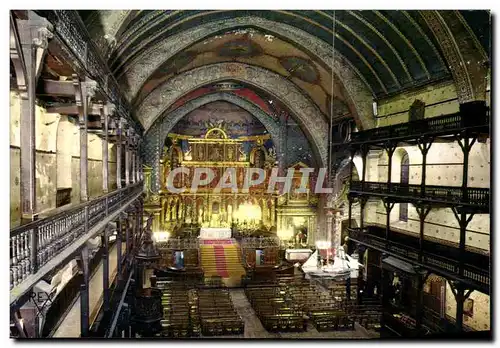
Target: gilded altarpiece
{"type": "Point", "coordinates": [209, 207]}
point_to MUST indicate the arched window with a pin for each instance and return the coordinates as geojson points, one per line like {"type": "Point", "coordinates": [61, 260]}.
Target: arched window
{"type": "Point", "coordinates": [405, 177]}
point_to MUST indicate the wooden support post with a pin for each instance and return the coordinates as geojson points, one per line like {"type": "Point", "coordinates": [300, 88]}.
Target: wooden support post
{"type": "Point", "coordinates": [388, 208]}
{"type": "Point", "coordinates": [422, 212]}
{"type": "Point", "coordinates": [420, 279]}
{"type": "Point", "coordinates": [119, 131]}
{"type": "Point", "coordinates": [127, 157]}
{"type": "Point", "coordinates": [84, 293]}
{"type": "Point", "coordinates": [105, 269]}
{"type": "Point", "coordinates": [424, 144]}
{"type": "Point", "coordinates": [362, 203]}
{"type": "Point", "coordinates": [460, 298]}
{"type": "Point", "coordinates": [84, 91]}
{"type": "Point", "coordinates": [119, 248]}
{"type": "Point", "coordinates": [106, 111]}
{"type": "Point", "coordinates": [127, 238]}
{"type": "Point", "coordinates": [28, 46]}
{"type": "Point", "coordinates": [463, 222]}
{"type": "Point", "coordinates": [389, 148]}
{"type": "Point", "coordinates": [466, 146]}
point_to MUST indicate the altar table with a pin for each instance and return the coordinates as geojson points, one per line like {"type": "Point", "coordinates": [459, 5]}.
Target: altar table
{"type": "Point", "coordinates": [298, 254]}
{"type": "Point", "coordinates": [215, 233]}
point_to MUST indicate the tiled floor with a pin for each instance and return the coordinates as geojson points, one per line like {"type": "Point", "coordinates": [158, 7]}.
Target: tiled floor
{"type": "Point", "coordinates": [70, 326]}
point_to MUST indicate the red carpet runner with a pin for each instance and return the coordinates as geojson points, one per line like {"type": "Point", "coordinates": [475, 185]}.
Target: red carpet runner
{"type": "Point", "coordinates": [220, 261]}
{"type": "Point", "coordinates": [216, 241]}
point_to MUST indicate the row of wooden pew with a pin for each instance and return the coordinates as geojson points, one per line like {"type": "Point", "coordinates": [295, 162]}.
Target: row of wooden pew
{"type": "Point", "coordinates": [191, 311]}
{"type": "Point", "coordinates": [217, 314]}
{"type": "Point", "coordinates": [275, 309]}
{"type": "Point", "coordinates": [290, 301]}
{"type": "Point", "coordinates": [180, 312]}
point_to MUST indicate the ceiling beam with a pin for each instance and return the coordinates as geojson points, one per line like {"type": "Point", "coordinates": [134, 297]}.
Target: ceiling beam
{"type": "Point", "coordinates": [57, 88]}
{"type": "Point", "coordinates": [72, 109]}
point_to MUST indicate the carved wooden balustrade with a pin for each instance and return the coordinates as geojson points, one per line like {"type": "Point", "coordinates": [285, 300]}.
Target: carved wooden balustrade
{"type": "Point", "coordinates": [449, 195]}
{"type": "Point", "coordinates": [34, 244]}
{"type": "Point", "coordinates": [447, 124]}
{"type": "Point", "coordinates": [437, 257]}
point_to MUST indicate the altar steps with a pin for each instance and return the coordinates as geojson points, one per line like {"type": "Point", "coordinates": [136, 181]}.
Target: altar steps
{"type": "Point", "coordinates": [223, 260]}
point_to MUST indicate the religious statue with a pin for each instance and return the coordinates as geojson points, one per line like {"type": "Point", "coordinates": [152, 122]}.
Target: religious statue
{"type": "Point", "coordinates": [230, 153]}
{"type": "Point", "coordinates": [149, 224]}
{"type": "Point", "coordinates": [187, 155]}
{"type": "Point", "coordinates": [272, 155]}
{"type": "Point", "coordinates": [242, 154]}
{"type": "Point", "coordinates": [200, 152]}
{"type": "Point", "coordinates": [217, 154]}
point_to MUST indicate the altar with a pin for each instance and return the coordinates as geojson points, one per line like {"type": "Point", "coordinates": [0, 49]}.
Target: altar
{"type": "Point", "coordinates": [215, 233]}
{"type": "Point", "coordinates": [294, 255]}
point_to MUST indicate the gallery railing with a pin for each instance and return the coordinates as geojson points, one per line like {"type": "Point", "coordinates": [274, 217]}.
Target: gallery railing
{"type": "Point", "coordinates": [445, 260]}
{"type": "Point", "coordinates": [34, 244]}
{"type": "Point", "coordinates": [447, 124]}
{"type": "Point", "coordinates": [472, 196]}
{"type": "Point", "coordinates": [71, 30]}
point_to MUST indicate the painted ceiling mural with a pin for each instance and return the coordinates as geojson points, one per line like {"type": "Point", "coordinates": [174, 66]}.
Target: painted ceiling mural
{"type": "Point", "coordinates": [375, 54]}
{"type": "Point", "coordinates": [252, 47]}
{"type": "Point", "coordinates": [237, 122]}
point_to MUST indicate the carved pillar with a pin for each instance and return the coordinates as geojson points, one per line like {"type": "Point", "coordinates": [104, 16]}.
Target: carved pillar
{"type": "Point", "coordinates": [28, 45]}
{"type": "Point", "coordinates": [84, 91]}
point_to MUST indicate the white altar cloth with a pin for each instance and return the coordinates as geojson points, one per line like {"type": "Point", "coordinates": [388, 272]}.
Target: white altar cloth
{"type": "Point", "coordinates": [297, 254]}
{"type": "Point", "coordinates": [215, 233]}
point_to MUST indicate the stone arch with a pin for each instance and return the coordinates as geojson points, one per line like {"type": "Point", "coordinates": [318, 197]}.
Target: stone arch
{"type": "Point", "coordinates": [302, 108]}
{"type": "Point", "coordinates": [156, 133]}
{"type": "Point", "coordinates": [464, 55]}
{"type": "Point", "coordinates": [397, 157]}
{"type": "Point", "coordinates": [359, 95]}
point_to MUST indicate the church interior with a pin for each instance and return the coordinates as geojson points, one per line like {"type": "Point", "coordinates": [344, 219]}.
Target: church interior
{"type": "Point", "coordinates": [365, 135]}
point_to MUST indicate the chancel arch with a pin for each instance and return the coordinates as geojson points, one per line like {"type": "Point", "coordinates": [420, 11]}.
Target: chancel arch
{"type": "Point", "coordinates": [164, 125]}
{"type": "Point", "coordinates": [303, 109]}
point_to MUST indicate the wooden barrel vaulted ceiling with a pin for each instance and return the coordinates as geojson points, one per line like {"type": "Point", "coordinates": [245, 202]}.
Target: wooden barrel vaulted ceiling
{"type": "Point", "coordinates": [386, 52]}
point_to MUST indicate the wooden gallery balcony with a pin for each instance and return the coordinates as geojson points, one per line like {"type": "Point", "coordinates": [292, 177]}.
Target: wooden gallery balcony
{"type": "Point", "coordinates": [438, 258]}
{"type": "Point", "coordinates": [472, 199]}
{"type": "Point", "coordinates": [472, 117]}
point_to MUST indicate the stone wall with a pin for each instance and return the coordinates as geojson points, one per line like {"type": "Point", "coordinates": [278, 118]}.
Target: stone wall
{"type": "Point", "coordinates": [444, 167]}
{"type": "Point", "coordinates": [480, 319]}
{"type": "Point", "coordinates": [57, 159]}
